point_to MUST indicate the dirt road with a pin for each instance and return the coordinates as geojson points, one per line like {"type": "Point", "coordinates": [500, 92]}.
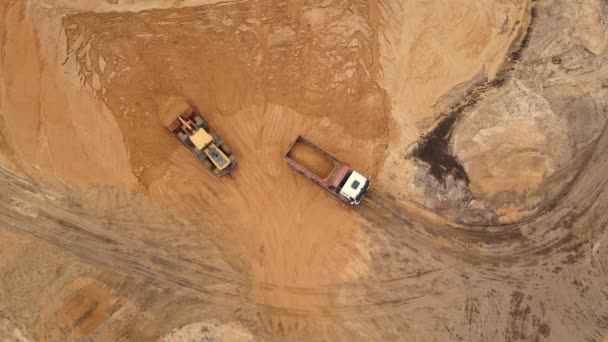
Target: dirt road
{"type": "Point", "coordinates": [525, 269]}
{"type": "Point", "coordinates": [111, 230]}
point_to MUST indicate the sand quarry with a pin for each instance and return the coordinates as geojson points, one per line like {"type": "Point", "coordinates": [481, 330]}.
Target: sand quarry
{"type": "Point", "coordinates": [481, 125]}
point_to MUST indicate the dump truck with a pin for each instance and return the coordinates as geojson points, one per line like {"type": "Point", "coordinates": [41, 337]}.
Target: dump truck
{"type": "Point", "coordinates": [326, 170]}
{"type": "Point", "coordinates": [188, 125]}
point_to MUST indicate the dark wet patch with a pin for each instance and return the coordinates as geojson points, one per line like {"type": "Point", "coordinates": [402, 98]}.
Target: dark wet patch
{"type": "Point", "coordinates": [434, 148]}
{"type": "Point", "coordinates": [435, 152]}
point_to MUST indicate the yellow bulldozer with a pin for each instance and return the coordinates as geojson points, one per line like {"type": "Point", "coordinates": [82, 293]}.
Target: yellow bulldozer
{"type": "Point", "coordinates": [188, 125]}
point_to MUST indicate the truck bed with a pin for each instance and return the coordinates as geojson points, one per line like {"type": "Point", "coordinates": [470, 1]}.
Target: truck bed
{"type": "Point", "coordinates": [311, 158]}
{"type": "Point", "coordinates": [319, 166]}
{"type": "Point", "coordinates": [316, 164]}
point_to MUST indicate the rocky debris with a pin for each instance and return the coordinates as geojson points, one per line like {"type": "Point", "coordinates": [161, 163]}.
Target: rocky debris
{"type": "Point", "coordinates": [441, 175]}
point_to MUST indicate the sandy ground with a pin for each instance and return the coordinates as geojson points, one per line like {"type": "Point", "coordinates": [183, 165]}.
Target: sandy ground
{"type": "Point", "coordinates": [111, 230]}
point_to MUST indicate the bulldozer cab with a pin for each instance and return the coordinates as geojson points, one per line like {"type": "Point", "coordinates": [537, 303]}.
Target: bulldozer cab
{"type": "Point", "coordinates": [198, 136]}
{"type": "Point", "coordinates": [201, 139]}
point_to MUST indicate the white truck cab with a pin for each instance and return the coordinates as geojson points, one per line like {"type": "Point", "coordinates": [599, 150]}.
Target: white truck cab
{"type": "Point", "coordinates": [355, 187]}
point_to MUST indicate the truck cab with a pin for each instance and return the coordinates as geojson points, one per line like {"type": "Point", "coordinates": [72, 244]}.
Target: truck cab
{"type": "Point", "coordinates": [354, 188]}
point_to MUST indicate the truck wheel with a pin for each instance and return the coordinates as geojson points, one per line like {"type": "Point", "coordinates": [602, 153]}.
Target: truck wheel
{"type": "Point", "coordinates": [226, 149]}
{"type": "Point", "coordinates": [207, 164]}
{"type": "Point", "coordinates": [182, 136]}
{"type": "Point", "coordinates": [201, 123]}
{"type": "Point", "coordinates": [200, 155]}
